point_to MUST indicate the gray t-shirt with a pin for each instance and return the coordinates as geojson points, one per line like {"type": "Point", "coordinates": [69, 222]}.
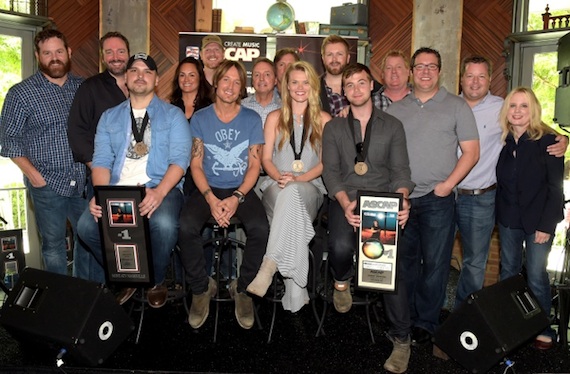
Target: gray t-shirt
{"type": "Point", "coordinates": [433, 132]}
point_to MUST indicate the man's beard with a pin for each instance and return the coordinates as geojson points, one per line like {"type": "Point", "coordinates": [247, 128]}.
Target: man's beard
{"type": "Point", "coordinates": [55, 68]}
{"type": "Point", "coordinates": [335, 70]}
{"type": "Point", "coordinates": [116, 71]}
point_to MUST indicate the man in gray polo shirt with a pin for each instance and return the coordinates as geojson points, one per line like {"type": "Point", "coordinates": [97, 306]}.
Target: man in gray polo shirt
{"type": "Point", "coordinates": [436, 123]}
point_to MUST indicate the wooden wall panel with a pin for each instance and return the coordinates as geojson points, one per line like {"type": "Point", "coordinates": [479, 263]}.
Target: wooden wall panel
{"type": "Point", "coordinates": [167, 19]}
{"type": "Point", "coordinates": [486, 24]}
{"type": "Point", "coordinates": [390, 27]}
{"type": "Point", "coordinates": [79, 21]}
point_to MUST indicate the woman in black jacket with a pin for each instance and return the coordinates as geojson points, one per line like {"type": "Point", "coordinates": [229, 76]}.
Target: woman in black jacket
{"type": "Point", "coordinates": [529, 198]}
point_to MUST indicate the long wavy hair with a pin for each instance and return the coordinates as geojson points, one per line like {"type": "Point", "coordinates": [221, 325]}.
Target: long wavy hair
{"type": "Point", "coordinates": [312, 115]}
{"type": "Point", "coordinates": [537, 128]}
{"type": "Point", "coordinates": [202, 96]}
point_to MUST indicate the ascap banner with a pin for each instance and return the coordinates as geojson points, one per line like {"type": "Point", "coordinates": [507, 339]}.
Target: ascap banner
{"type": "Point", "coordinates": [237, 47]}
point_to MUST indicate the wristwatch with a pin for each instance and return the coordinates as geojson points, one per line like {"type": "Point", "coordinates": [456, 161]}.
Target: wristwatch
{"type": "Point", "coordinates": [240, 196]}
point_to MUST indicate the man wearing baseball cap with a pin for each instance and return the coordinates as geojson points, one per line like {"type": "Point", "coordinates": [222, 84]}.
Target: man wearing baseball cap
{"type": "Point", "coordinates": [142, 141]}
{"type": "Point", "coordinates": [212, 55]}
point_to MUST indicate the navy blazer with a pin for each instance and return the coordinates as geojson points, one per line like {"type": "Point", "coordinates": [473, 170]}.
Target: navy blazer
{"type": "Point", "coordinates": [539, 184]}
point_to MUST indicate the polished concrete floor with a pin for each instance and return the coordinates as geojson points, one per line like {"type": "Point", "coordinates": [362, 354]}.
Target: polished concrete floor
{"type": "Point", "coordinates": [169, 345]}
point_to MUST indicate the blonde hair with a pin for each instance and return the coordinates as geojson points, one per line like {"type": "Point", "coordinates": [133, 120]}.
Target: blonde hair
{"type": "Point", "coordinates": [395, 53]}
{"type": "Point", "coordinates": [537, 128]}
{"type": "Point", "coordinates": [312, 115]}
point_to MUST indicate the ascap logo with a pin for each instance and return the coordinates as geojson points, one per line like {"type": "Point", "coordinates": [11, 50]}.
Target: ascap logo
{"type": "Point", "coordinates": [245, 51]}
{"type": "Point", "coordinates": [373, 204]}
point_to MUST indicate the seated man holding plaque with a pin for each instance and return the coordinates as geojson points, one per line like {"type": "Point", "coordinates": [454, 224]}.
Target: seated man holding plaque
{"type": "Point", "coordinates": [142, 141]}
{"type": "Point", "coordinates": [365, 151]}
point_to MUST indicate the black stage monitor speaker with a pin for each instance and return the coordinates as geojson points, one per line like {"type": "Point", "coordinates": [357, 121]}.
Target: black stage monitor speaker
{"type": "Point", "coordinates": [68, 313]}
{"type": "Point", "coordinates": [491, 323]}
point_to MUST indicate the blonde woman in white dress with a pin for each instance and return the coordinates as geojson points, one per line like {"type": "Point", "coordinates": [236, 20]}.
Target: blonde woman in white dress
{"type": "Point", "coordinates": [294, 192]}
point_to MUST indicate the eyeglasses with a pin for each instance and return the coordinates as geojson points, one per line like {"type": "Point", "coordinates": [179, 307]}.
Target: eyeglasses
{"type": "Point", "coordinates": [430, 67]}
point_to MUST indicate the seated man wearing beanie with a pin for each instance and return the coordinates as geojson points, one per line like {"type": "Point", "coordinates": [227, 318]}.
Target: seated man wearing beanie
{"type": "Point", "coordinates": [142, 141]}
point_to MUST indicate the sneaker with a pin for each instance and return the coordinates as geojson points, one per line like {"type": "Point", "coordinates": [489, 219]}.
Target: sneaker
{"type": "Point", "coordinates": [244, 306]}
{"type": "Point", "coordinates": [200, 307]}
{"type": "Point", "coordinates": [400, 356]}
{"type": "Point", "coordinates": [342, 299]}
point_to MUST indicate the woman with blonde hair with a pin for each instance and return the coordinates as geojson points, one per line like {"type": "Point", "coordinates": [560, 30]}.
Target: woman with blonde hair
{"type": "Point", "coordinates": [529, 198]}
{"type": "Point", "coordinates": [294, 192]}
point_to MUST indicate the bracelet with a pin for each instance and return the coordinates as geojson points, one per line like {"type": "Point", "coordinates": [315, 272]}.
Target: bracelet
{"type": "Point", "coordinates": [205, 193]}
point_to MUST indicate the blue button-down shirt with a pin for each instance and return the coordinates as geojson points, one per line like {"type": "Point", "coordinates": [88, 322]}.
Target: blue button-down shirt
{"type": "Point", "coordinates": [33, 124]}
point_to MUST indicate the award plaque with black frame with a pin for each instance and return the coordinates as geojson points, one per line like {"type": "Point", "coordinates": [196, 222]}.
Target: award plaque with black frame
{"type": "Point", "coordinates": [125, 236]}
{"type": "Point", "coordinates": [378, 237]}
{"type": "Point", "coordinates": [12, 260]}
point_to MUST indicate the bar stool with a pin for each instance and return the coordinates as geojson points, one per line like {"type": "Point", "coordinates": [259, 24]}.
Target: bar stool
{"type": "Point", "coordinates": [277, 293]}
{"type": "Point", "coordinates": [222, 241]}
{"type": "Point", "coordinates": [175, 292]}
{"type": "Point", "coordinates": [326, 292]}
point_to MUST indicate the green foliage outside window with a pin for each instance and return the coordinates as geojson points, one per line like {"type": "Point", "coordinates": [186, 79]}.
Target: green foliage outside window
{"type": "Point", "coordinates": [11, 67]}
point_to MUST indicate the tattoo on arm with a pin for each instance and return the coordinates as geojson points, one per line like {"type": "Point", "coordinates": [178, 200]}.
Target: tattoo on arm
{"type": "Point", "coordinates": [197, 148]}
{"type": "Point", "coordinates": [254, 151]}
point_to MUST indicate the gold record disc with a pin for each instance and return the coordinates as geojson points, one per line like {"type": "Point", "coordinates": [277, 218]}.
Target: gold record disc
{"type": "Point", "coordinates": [297, 166]}
{"type": "Point", "coordinates": [141, 149]}
{"type": "Point", "coordinates": [360, 168]}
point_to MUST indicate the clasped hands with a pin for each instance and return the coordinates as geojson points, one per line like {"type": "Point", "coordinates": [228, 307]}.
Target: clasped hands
{"type": "Point", "coordinates": [223, 210]}
{"type": "Point", "coordinates": [285, 178]}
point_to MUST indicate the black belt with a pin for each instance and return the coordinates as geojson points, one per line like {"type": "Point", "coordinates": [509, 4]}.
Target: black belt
{"type": "Point", "coordinates": [479, 191]}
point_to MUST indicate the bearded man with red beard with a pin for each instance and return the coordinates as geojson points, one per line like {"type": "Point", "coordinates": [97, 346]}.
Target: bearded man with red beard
{"type": "Point", "coordinates": [33, 133]}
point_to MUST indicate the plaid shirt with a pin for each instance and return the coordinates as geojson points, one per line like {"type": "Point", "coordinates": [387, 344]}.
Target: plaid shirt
{"type": "Point", "coordinates": [263, 111]}
{"type": "Point", "coordinates": [337, 102]}
{"type": "Point", "coordinates": [33, 124]}
{"type": "Point", "coordinates": [382, 101]}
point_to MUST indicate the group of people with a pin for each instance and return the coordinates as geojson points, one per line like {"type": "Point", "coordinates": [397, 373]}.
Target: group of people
{"type": "Point", "coordinates": [460, 163]}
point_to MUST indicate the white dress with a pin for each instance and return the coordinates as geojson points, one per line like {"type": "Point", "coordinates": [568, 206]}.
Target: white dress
{"type": "Point", "coordinates": [291, 212]}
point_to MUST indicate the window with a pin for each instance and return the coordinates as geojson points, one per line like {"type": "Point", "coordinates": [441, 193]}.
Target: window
{"type": "Point", "coordinates": [17, 55]}
{"type": "Point", "coordinates": [532, 54]}
{"type": "Point", "coordinates": [528, 13]}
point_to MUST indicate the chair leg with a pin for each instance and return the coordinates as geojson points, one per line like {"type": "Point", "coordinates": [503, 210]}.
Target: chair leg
{"type": "Point", "coordinates": [216, 321]}
{"type": "Point", "coordinates": [367, 306]}
{"type": "Point", "coordinates": [320, 330]}
{"type": "Point", "coordinates": [272, 322]}
{"type": "Point", "coordinates": [141, 318]}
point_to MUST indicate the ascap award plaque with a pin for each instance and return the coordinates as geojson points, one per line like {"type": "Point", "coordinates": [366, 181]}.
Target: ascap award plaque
{"type": "Point", "coordinates": [378, 236]}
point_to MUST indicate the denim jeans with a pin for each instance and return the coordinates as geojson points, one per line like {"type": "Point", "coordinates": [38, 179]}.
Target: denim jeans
{"type": "Point", "coordinates": [536, 257]}
{"type": "Point", "coordinates": [194, 216]}
{"type": "Point", "coordinates": [52, 211]}
{"type": "Point", "coordinates": [342, 243]}
{"type": "Point", "coordinates": [475, 216]}
{"type": "Point", "coordinates": [163, 234]}
{"type": "Point", "coordinates": [425, 254]}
